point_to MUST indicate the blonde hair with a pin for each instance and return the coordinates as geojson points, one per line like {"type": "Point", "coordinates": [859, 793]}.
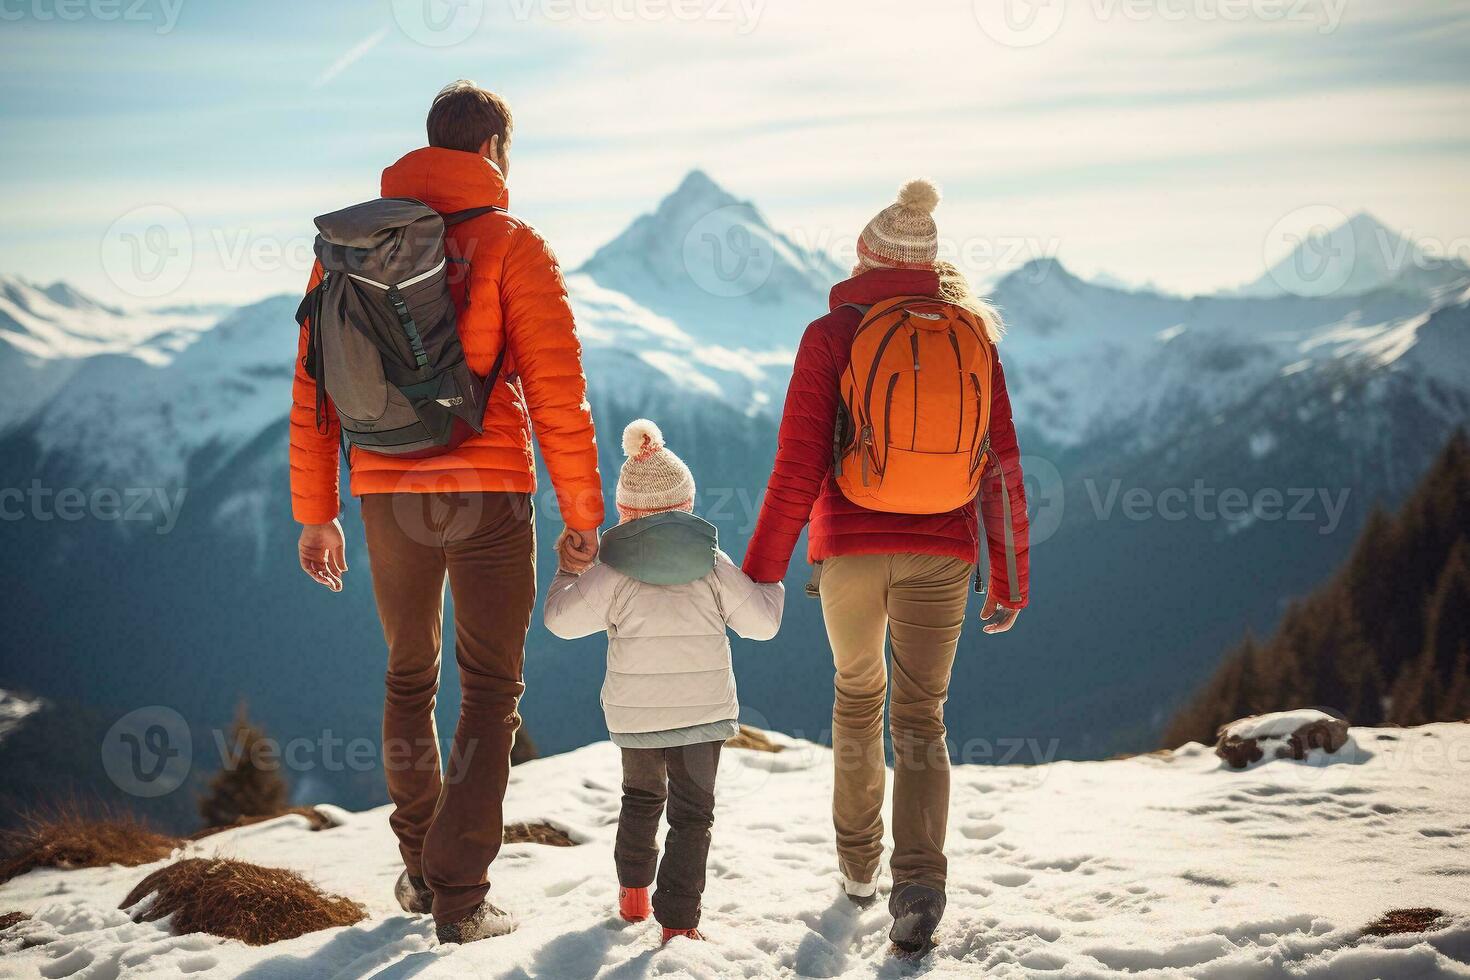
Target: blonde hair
{"type": "Point", "coordinates": [955, 288]}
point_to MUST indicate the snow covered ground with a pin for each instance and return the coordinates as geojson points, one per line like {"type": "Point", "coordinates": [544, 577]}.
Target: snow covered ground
{"type": "Point", "coordinates": [1165, 865]}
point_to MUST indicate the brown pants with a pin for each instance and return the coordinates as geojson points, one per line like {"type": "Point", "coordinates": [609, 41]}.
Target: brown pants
{"type": "Point", "coordinates": [685, 777]}
{"type": "Point", "coordinates": [449, 828]}
{"type": "Point", "coordinates": [918, 602]}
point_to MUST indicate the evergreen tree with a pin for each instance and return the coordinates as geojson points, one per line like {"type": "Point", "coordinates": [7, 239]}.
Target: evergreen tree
{"type": "Point", "coordinates": [1387, 639]}
{"type": "Point", "coordinates": [250, 784]}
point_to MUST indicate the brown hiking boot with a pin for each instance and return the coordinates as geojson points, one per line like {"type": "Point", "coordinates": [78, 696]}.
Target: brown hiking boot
{"type": "Point", "coordinates": [485, 922]}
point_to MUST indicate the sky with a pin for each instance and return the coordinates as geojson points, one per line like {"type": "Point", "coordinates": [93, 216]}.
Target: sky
{"type": "Point", "coordinates": [1181, 143]}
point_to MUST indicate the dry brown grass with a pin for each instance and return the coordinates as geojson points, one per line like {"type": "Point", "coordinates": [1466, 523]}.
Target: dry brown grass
{"type": "Point", "coordinates": [69, 839]}
{"type": "Point", "coordinates": [753, 739]}
{"type": "Point", "coordinates": [236, 900]}
{"type": "Point", "coordinates": [537, 833]}
{"type": "Point", "coordinates": [1398, 921]}
{"type": "Point", "coordinates": [8, 919]}
{"type": "Point", "coordinates": [316, 820]}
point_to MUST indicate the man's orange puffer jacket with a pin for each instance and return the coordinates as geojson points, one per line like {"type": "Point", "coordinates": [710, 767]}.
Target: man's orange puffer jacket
{"type": "Point", "coordinates": [514, 296]}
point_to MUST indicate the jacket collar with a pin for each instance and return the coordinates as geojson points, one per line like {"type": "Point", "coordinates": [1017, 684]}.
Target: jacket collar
{"type": "Point", "coordinates": [446, 180]}
{"type": "Point", "coordinates": [876, 285]}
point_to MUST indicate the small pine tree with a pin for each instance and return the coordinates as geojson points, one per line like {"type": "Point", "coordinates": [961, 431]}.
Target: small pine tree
{"type": "Point", "coordinates": [248, 785]}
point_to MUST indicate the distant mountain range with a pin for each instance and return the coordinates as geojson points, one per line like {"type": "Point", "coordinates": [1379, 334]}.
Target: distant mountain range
{"type": "Point", "coordinates": [1127, 402]}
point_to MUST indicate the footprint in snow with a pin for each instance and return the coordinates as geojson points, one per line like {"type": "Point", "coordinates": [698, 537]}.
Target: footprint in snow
{"type": "Point", "coordinates": [981, 831]}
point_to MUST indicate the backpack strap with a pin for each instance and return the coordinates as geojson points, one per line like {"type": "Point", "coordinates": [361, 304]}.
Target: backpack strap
{"type": "Point", "coordinates": [861, 308]}
{"type": "Point", "coordinates": [455, 217]}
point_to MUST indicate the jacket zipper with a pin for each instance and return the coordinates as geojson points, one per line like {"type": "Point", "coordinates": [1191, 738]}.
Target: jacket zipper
{"type": "Point", "coordinates": [959, 429]}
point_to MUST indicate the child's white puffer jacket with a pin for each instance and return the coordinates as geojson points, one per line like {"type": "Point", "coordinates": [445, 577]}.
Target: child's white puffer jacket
{"type": "Point", "coordinates": [666, 595]}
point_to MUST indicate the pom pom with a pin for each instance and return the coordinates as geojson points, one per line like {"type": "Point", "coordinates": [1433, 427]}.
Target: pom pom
{"type": "Point", "coordinates": [920, 194]}
{"type": "Point", "coordinates": [641, 439]}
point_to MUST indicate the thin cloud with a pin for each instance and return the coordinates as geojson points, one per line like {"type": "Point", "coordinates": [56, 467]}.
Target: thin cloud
{"type": "Point", "coordinates": [351, 57]}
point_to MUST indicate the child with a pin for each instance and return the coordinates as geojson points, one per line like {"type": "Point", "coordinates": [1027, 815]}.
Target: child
{"type": "Point", "coordinates": [665, 594]}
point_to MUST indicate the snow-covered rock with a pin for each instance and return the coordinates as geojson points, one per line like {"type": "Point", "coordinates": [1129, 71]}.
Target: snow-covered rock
{"type": "Point", "coordinates": [1294, 734]}
{"type": "Point", "coordinates": [1150, 867]}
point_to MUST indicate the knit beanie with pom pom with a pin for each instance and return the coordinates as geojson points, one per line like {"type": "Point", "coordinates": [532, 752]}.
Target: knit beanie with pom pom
{"type": "Point", "coordinates": [653, 479]}
{"type": "Point", "coordinates": [903, 235]}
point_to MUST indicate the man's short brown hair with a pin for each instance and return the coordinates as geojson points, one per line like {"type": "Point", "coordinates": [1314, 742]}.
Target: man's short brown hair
{"type": "Point", "coordinates": [464, 116]}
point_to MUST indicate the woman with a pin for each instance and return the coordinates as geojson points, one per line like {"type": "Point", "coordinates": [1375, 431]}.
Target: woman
{"type": "Point", "coordinates": [900, 575]}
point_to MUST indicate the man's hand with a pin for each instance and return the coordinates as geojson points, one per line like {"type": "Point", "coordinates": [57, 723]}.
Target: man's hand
{"type": "Point", "coordinates": [1004, 621]}
{"type": "Point", "coordinates": [576, 550]}
{"type": "Point", "coordinates": [323, 553]}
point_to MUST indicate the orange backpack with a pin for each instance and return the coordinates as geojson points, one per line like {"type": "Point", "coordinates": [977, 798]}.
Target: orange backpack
{"type": "Point", "coordinates": [913, 423]}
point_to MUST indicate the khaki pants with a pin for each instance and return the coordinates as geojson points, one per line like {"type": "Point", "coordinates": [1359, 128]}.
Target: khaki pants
{"type": "Point", "coordinates": [449, 828]}
{"type": "Point", "coordinates": [918, 603]}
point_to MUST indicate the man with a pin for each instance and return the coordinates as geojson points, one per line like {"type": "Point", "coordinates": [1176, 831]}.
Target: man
{"type": "Point", "coordinates": [465, 514]}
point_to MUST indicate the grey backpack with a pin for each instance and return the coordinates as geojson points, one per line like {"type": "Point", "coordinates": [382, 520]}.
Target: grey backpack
{"type": "Point", "coordinates": [383, 332]}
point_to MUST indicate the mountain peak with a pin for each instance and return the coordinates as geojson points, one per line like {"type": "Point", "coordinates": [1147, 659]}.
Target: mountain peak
{"type": "Point", "coordinates": [1333, 256]}
{"type": "Point", "coordinates": [697, 192]}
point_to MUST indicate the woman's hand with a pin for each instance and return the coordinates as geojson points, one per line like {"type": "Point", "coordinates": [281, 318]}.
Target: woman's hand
{"type": "Point", "coordinates": [323, 553]}
{"type": "Point", "coordinates": [1004, 621]}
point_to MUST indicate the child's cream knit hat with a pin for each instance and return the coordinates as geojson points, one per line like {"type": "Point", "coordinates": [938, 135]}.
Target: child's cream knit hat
{"type": "Point", "coordinates": [653, 479]}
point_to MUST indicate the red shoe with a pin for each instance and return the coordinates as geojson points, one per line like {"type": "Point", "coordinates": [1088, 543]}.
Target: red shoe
{"type": "Point", "coordinates": [634, 905]}
{"type": "Point", "coordinates": [686, 933]}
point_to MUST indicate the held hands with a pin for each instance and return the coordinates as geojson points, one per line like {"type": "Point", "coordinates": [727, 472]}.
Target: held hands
{"type": "Point", "coordinates": [1004, 621]}
{"type": "Point", "coordinates": [576, 550]}
{"type": "Point", "coordinates": [323, 553]}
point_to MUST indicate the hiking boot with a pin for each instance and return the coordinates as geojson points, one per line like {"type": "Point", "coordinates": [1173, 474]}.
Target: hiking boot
{"type": "Point", "coordinates": [860, 893]}
{"type": "Point", "coordinates": [686, 933]}
{"type": "Point", "coordinates": [916, 910]}
{"type": "Point", "coordinates": [485, 922]}
{"type": "Point", "coordinates": [413, 894]}
{"type": "Point", "coordinates": [634, 905]}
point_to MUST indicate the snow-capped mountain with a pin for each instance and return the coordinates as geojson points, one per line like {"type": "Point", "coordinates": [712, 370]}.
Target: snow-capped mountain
{"type": "Point", "coordinates": [1358, 256]}
{"type": "Point", "coordinates": [1137, 369]}
{"type": "Point", "coordinates": [713, 264]}
{"type": "Point", "coordinates": [46, 332]}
